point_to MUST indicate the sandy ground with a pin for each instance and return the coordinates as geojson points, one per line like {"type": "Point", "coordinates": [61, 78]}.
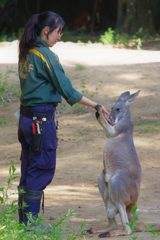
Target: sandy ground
{"type": "Point", "coordinates": [104, 73]}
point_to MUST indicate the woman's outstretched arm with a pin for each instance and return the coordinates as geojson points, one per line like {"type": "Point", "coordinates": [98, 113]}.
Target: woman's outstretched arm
{"type": "Point", "coordinates": [90, 103]}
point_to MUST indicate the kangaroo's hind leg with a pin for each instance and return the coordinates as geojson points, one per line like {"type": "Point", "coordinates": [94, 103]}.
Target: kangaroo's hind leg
{"type": "Point", "coordinates": [119, 200]}
{"type": "Point", "coordinates": [123, 212]}
{"type": "Point", "coordinates": [103, 188]}
{"type": "Point", "coordinates": [124, 218]}
{"type": "Point", "coordinates": [104, 191]}
{"type": "Point", "coordinates": [129, 212]}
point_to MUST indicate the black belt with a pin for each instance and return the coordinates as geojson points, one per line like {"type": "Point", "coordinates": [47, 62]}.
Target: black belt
{"type": "Point", "coordinates": [26, 112]}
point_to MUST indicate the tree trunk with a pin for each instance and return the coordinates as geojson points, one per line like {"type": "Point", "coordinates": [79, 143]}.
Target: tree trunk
{"type": "Point", "coordinates": [94, 15]}
{"type": "Point", "coordinates": [120, 13]}
{"type": "Point", "coordinates": [139, 15]}
{"type": "Point", "coordinates": [38, 6]}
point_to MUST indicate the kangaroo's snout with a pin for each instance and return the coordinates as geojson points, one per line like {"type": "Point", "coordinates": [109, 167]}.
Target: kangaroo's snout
{"type": "Point", "coordinates": [112, 119]}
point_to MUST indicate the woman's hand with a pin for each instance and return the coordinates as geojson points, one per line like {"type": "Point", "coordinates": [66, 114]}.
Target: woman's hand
{"type": "Point", "coordinates": [90, 103]}
{"type": "Point", "coordinates": [106, 114]}
{"type": "Point", "coordinates": [101, 110]}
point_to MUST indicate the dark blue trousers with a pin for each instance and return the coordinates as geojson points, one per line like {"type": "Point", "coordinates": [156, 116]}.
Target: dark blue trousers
{"type": "Point", "coordinates": [37, 169]}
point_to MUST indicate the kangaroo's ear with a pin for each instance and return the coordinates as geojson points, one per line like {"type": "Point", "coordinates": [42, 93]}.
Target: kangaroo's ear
{"type": "Point", "coordinates": [124, 96]}
{"type": "Point", "coordinates": [131, 98]}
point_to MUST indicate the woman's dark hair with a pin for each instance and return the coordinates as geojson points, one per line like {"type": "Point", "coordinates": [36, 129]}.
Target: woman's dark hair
{"type": "Point", "coordinates": [33, 29]}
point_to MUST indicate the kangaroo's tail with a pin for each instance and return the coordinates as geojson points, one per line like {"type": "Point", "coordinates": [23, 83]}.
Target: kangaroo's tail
{"type": "Point", "coordinates": [148, 227]}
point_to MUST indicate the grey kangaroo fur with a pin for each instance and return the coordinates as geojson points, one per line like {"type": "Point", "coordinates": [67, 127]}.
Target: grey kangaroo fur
{"type": "Point", "coordinates": [119, 182]}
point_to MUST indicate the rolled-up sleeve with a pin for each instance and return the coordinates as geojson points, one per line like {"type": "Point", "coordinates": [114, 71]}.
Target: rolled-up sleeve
{"type": "Point", "coordinates": [61, 82]}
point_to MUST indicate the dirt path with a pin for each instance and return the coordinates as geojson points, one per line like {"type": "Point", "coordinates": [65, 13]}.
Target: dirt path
{"type": "Point", "coordinates": [102, 73]}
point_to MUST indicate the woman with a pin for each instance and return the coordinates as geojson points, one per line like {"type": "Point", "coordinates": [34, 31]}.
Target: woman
{"type": "Point", "coordinates": [42, 82]}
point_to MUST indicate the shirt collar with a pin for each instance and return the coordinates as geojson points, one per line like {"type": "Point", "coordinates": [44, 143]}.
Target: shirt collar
{"type": "Point", "coordinates": [42, 41]}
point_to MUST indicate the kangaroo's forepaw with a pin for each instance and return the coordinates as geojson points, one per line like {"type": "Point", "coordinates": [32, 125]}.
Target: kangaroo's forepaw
{"type": "Point", "coordinates": [98, 108]}
{"type": "Point", "coordinates": [104, 235]}
{"type": "Point", "coordinates": [97, 115]}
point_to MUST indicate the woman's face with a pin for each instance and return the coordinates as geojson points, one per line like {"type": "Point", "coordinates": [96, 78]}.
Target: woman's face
{"type": "Point", "coordinates": [53, 36]}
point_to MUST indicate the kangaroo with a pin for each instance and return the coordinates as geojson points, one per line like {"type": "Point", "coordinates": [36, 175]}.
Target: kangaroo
{"type": "Point", "coordinates": [119, 182]}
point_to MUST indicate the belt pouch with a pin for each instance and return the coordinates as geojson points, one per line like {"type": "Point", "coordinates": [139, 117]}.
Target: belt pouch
{"type": "Point", "coordinates": [37, 138]}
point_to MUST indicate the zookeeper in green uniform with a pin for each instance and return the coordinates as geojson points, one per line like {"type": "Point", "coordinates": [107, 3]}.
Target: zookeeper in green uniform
{"type": "Point", "coordinates": [43, 82]}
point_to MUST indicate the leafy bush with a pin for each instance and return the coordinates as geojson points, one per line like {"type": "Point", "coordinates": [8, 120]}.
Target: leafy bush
{"type": "Point", "coordinates": [11, 229]}
{"type": "Point", "coordinates": [107, 37]}
{"type": "Point", "coordinates": [3, 36]}
{"type": "Point", "coordinates": [20, 30]}
{"type": "Point", "coordinates": [120, 37]}
{"type": "Point", "coordinates": [14, 37]}
{"type": "Point", "coordinates": [114, 37]}
{"type": "Point", "coordinates": [135, 220]}
{"type": "Point", "coordinates": [66, 35]}
{"type": "Point", "coordinates": [89, 42]}
{"type": "Point", "coordinates": [139, 44]}
{"type": "Point", "coordinates": [82, 35]}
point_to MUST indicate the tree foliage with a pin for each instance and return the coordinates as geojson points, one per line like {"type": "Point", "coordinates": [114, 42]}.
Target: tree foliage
{"type": "Point", "coordinates": [126, 15]}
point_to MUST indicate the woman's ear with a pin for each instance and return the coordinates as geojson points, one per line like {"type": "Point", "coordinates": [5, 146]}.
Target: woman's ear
{"type": "Point", "coordinates": [46, 30]}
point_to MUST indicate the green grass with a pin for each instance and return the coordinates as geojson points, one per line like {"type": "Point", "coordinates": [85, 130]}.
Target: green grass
{"type": "Point", "coordinates": [4, 122]}
{"type": "Point", "coordinates": [78, 109]}
{"type": "Point", "coordinates": [147, 126]}
{"type": "Point", "coordinates": [8, 92]}
{"type": "Point", "coordinates": [84, 131]}
{"type": "Point", "coordinates": [79, 67]}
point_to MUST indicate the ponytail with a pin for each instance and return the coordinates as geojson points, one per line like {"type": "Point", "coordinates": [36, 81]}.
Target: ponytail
{"type": "Point", "coordinates": [28, 37]}
{"type": "Point", "coordinates": [33, 29]}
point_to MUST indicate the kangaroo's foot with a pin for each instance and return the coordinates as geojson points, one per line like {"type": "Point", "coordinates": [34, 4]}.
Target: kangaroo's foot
{"type": "Point", "coordinates": [94, 230]}
{"type": "Point", "coordinates": [114, 233]}
{"type": "Point", "coordinates": [104, 235]}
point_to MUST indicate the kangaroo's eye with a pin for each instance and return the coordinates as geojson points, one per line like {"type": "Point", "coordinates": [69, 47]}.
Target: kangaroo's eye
{"type": "Point", "coordinates": [118, 109]}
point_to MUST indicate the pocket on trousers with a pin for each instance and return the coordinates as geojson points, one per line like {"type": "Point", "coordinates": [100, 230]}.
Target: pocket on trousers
{"type": "Point", "coordinates": [48, 153]}
{"type": "Point", "coordinates": [48, 157]}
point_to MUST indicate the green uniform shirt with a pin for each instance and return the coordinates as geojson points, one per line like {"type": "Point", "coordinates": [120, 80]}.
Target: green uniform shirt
{"type": "Point", "coordinates": [42, 79]}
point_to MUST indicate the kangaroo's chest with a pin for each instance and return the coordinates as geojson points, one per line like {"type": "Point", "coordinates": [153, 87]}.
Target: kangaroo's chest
{"type": "Point", "coordinates": [119, 153]}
